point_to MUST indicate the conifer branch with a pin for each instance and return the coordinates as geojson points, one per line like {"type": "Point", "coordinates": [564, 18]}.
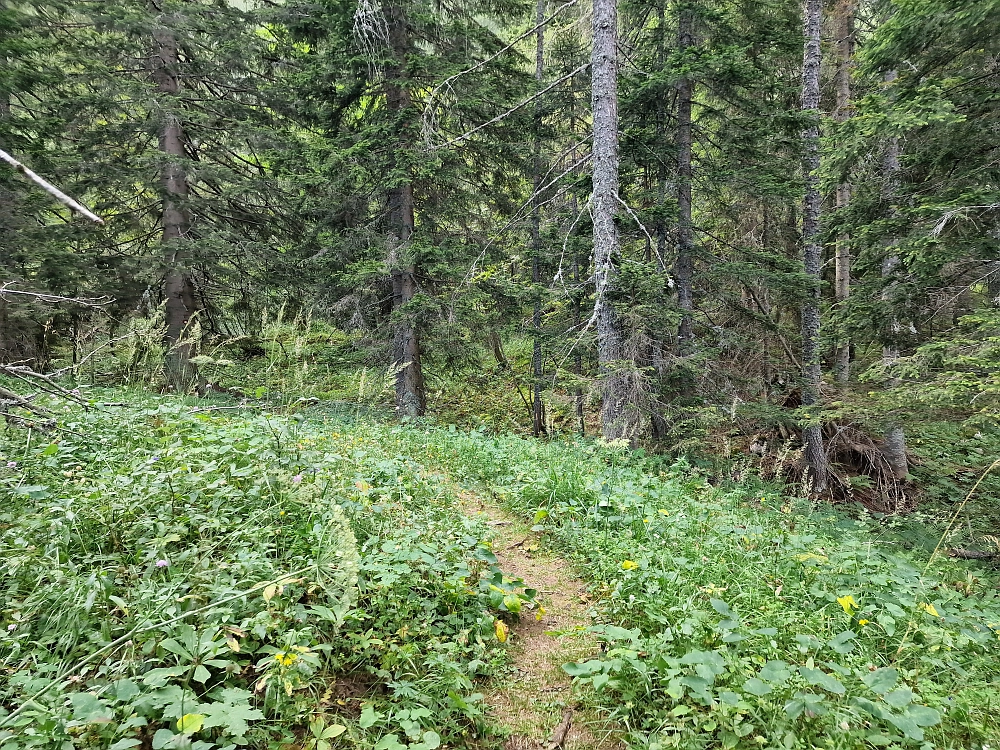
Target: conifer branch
{"type": "Point", "coordinates": [468, 134]}
{"type": "Point", "coordinates": [428, 117]}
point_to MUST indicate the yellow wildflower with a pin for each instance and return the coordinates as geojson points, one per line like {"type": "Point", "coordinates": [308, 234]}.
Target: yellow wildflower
{"type": "Point", "coordinates": [929, 609]}
{"type": "Point", "coordinates": [807, 556]}
{"type": "Point", "coordinates": [848, 603]}
{"type": "Point", "coordinates": [862, 623]}
{"type": "Point", "coordinates": [629, 565]}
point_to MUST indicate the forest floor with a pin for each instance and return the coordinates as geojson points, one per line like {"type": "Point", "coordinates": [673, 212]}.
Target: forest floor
{"type": "Point", "coordinates": [534, 701]}
{"type": "Point", "coordinates": [674, 613]}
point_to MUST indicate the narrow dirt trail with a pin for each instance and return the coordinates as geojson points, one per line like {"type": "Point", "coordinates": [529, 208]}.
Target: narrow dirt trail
{"type": "Point", "coordinates": [534, 701]}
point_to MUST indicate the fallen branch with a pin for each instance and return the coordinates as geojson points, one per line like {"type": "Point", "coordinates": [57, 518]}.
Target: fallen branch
{"type": "Point", "coordinates": [971, 554]}
{"type": "Point", "coordinates": [51, 189]}
{"type": "Point", "coordinates": [9, 398]}
{"type": "Point", "coordinates": [52, 299]}
{"type": "Point", "coordinates": [40, 380]}
{"type": "Point", "coordinates": [559, 735]}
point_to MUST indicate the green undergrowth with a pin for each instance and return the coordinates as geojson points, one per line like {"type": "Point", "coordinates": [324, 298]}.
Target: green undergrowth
{"type": "Point", "coordinates": [175, 577]}
{"type": "Point", "coordinates": [739, 618]}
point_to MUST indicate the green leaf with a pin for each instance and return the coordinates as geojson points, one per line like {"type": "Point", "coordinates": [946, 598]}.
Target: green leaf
{"type": "Point", "coordinates": [775, 671]}
{"type": "Point", "coordinates": [924, 716]}
{"type": "Point", "coordinates": [881, 680]}
{"type": "Point", "coordinates": [190, 723]}
{"type": "Point", "coordinates": [512, 603]}
{"type": "Point", "coordinates": [485, 554]}
{"type": "Point", "coordinates": [159, 677]}
{"type": "Point", "coordinates": [201, 674]}
{"type": "Point", "coordinates": [907, 726]}
{"type": "Point", "coordinates": [233, 717]}
{"type": "Point", "coordinates": [332, 731]}
{"type": "Point", "coordinates": [756, 687]}
{"type": "Point", "coordinates": [368, 717]}
{"type": "Point", "coordinates": [899, 698]}
{"type": "Point", "coordinates": [841, 643]}
{"type": "Point", "coordinates": [162, 738]}
{"type": "Point", "coordinates": [881, 740]}
{"type": "Point", "coordinates": [34, 491]}
{"type": "Point", "coordinates": [729, 698]}
{"type": "Point", "coordinates": [126, 690]}
{"type": "Point", "coordinates": [51, 449]}
{"type": "Point", "coordinates": [432, 740]}
{"type": "Point", "coordinates": [887, 622]}
{"type": "Point", "coordinates": [585, 669]}
{"type": "Point", "coordinates": [807, 642]}
{"type": "Point", "coordinates": [873, 709]}
{"type": "Point", "coordinates": [722, 608]}
{"type": "Point", "coordinates": [711, 660]}
{"type": "Point", "coordinates": [390, 742]}
{"type": "Point", "coordinates": [821, 679]}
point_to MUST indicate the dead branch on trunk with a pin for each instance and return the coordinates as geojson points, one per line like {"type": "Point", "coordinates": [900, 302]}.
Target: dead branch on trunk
{"type": "Point", "coordinates": [51, 189]}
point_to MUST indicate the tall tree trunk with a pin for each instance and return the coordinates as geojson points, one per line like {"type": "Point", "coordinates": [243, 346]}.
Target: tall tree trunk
{"type": "Point", "coordinates": [844, 30]}
{"type": "Point", "coordinates": [812, 379]}
{"type": "Point", "coordinates": [6, 212]}
{"type": "Point", "coordinates": [6, 348]}
{"type": "Point", "coordinates": [604, 98]}
{"type": "Point", "coordinates": [660, 347]}
{"type": "Point", "coordinates": [178, 290]}
{"type": "Point", "coordinates": [537, 420]}
{"type": "Point", "coordinates": [895, 438]}
{"type": "Point", "coordinates": [684, 264]}
{"type": "Point", "coordinates": [411, 400]}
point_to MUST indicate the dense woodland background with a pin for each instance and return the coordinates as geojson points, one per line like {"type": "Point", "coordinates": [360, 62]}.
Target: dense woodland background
{"type": "Point", "coordinates": [784, 247]}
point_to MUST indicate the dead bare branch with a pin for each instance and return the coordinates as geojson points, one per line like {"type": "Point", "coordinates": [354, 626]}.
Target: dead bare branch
{"type": "Point", "coordinates": [51, 189]}
{"type": "Point", "coordinates": [51, 299]}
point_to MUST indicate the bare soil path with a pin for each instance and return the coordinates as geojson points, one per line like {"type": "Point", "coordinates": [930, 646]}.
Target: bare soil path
{"type": "Point", "coordinates": [534, 701]}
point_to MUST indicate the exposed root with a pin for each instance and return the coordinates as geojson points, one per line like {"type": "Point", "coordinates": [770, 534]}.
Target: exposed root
{"type": "Point", "coordinates": [858, 468]}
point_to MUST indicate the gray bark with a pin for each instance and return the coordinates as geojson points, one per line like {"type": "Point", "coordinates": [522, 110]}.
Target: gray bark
{"type": "Point", "coordinates": [6, 224]}
{"type": "Point", "coordinates": [684, 263]}
{"type": "Point", "coordinates": [537, 420]}
{"type": "Point", "coordinates": [844, 30]}
{"type": "Point", "coordinates": [812, 434]}
{"type": "Point", "coordinates": [894, 441]}
{"type": "Point", "coordinates": [577, 298]}
{"type": "Point", "coordinates": [411, 399]}
{"type": "Point", "coordinates": [993, 284]}
{"type": "Point", "coordinates": [604, 97]}
{"type": "Point", "coordinates": [659, 339]}
{"type": "Point", "coordinates": [6, 338]}
{"type": "Point", "coordinates": [178, 289]}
